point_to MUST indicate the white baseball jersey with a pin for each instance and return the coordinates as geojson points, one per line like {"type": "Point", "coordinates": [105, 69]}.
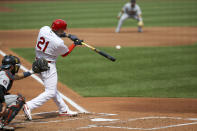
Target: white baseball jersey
{"type": "Point", "coordinates": [49, 45]}
{"type": "Point", "coordinates": [132, 11]}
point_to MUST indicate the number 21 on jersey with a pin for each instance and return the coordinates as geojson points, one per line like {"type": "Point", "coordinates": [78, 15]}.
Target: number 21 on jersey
{"type": "Point", "coordinates": [42, 42]}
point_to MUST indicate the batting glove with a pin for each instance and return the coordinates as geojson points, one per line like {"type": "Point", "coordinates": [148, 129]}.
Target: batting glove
{"type": "Point", "coordinates": [73, 37]}
{"type": "Point", "coordinates": [78, 42]}
{"type": "Point", "coordinates": [63, 35]}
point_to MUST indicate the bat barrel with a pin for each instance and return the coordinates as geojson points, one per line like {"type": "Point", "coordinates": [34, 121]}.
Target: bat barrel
{"type": "Point", "coordinates": [107, 56]}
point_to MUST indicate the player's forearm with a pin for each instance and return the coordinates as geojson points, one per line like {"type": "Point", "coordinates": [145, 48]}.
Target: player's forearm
{"type": "Point", "coordinates": [20, 76]}
{"type": "Point", "coordinates": [71, 47]}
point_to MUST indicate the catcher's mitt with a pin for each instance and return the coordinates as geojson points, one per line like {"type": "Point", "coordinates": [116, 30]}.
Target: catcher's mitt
{"type": "Point", "coordinates": [40, 65]}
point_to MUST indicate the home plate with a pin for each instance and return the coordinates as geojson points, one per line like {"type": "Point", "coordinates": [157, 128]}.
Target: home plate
{"type": "Point", "coordinates": [103, 119]}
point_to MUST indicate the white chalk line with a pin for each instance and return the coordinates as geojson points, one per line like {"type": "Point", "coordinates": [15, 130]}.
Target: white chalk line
{"type": "Point", "coordinates": [106, 124]}
{"type": "Point", "coordinates": [130, 128]}
{"type": "Point", "coordinates": [79, 108]}
{"type": "Point", "coordinates": [56, 121]}
{"type": "Point", "coordinates": [41, 113]}
{"type": "Point", "coordinates": [178, 125]}
{"type": "Point", "coordinates": [44, 122]}
{"type": "Point", "coordinates": [155, 117]}
{"type": "Point", "coordinates": [93, 113]}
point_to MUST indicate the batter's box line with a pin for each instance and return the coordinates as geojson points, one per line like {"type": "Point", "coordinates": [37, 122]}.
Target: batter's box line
{"type": "Point", "coordinates": [16, 122]}
{"type": "Point", "coordinates": [162, 117]}
{"type": "Point", "coordinates": [90, 113]}
{"type": "Point", "coordinates": [106, 124]}
{"type": "Point", "coordinates": [130, 128]}
{"type": "Point", "coordinates": [43, 122]}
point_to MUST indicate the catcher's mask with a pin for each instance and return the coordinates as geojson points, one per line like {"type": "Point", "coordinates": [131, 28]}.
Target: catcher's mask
{"type": "Point", "coordinates": [9, 61]}
{"type": "Point", "coordinates": [17, 65]}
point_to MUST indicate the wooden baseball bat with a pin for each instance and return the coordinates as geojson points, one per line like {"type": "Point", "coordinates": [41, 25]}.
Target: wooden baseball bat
{"type": "Point", "coordinates": [99, 52]}
{"type": "Point", "coordinates": [96, 50]}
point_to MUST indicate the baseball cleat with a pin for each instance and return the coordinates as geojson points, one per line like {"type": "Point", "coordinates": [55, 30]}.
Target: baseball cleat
{"type": "Point", "coordinates": [117, 31]}
{"type": "Point", "coordinates": [68, 113]}
{"type": "Point", "coordinates": [6, 128]}
{"type": "Point", "coordinates": [27, 112]}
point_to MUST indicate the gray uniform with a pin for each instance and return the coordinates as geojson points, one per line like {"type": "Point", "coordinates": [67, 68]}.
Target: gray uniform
{"type": "Point", "coordinates": [129, 12]}
{"type": "Point", "coordinates": [6, 80]}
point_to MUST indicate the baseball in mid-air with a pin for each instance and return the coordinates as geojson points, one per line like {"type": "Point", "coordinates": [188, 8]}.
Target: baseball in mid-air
{"type": "Point", "coordinates": [118, 47]}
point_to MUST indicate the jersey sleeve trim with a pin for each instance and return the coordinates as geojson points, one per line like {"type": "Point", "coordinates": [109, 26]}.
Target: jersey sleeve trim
{"type": "Point", "coordinates": [71, 47]}
{"type": "Point", "coordinates": [9, 75]}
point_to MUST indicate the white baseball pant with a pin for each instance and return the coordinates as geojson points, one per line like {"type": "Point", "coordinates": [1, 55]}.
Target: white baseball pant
{"type": "Point", "coordinates": [123, 18]}
{"type": "Point", "coordinates": [50, 80]}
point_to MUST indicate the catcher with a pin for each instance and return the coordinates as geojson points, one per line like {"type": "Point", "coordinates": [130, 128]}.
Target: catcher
{"type": "Point", "coordinates": [10, 105]}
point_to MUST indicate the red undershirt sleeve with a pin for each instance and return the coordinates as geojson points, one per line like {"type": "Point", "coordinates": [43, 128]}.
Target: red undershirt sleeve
{"type": "Point", "coordinates": [71, 47]}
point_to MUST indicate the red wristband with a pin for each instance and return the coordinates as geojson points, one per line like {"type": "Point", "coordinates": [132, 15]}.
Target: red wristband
{"type": "Point", "coordinates": [71, 47]}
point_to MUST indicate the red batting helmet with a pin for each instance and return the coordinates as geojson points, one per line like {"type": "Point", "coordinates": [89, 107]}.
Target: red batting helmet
{"type": "Point", "coordinates": [59, 24]}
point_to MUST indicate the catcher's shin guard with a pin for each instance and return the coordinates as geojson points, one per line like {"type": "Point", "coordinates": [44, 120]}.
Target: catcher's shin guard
{"type": "Point", "coordinates": [13, 110]}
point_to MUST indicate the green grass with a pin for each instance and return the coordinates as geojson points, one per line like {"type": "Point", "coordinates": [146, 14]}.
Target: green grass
{"type": "Point", "coordinates": [33, 15]}
{"type": "Point", "coordinates": [138, 71]}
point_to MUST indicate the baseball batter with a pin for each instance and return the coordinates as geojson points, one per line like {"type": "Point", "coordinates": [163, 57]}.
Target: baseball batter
{"type": "Point", "coordinates": [49, 46]}
{"type": "Point", "coordinates": [130, 10]}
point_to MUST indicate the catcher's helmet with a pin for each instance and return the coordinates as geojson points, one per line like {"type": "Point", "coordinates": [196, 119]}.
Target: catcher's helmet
{"type": "Point", "coordinates": [59, 24]}
{"type": "Point", "coordinates": [10, 60]}
{"type": "Point", "coordinates": [7, 62]}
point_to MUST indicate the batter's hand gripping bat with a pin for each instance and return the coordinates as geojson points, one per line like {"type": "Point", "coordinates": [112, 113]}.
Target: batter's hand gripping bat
{"type": "Point", "coordinates": [96, 50]}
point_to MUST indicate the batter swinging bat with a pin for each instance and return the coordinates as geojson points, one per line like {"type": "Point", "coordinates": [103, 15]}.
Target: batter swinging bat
{"type": "Point", "coordinates": [96, 50]}
{"type": "Point", "coordinates": [99, 52]}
